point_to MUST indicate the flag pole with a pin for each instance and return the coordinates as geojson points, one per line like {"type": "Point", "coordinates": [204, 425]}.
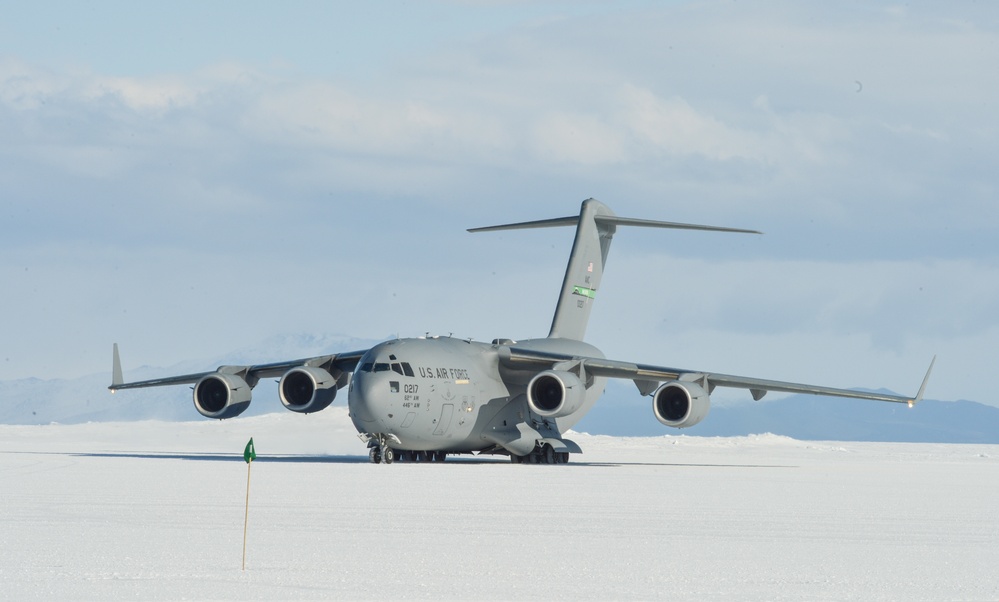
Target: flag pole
{"type": "Point", "coordinates": [249, 454]}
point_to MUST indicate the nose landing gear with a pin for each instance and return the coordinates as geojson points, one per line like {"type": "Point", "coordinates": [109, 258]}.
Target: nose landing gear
{"type": "Point", "coordinates": [379, 449]}
{"type": "Point", "coordinates": [380, 454]}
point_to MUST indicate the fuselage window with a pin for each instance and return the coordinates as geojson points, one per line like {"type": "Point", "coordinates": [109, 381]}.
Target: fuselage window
{"type": "Point", "coordinates": [367, 366]}
{"type": "Point", "coordinates": [407, 369]}
{"type": "Point", "coordinates": [380, 367]}
{"type": "Point", "coordinates": [397, 368]}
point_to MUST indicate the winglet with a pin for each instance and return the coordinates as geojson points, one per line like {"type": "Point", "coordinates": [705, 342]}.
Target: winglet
{"type": "Point", "coordinates": [116, 377]}
{"type": "Point", "coordinates": [922, 387]}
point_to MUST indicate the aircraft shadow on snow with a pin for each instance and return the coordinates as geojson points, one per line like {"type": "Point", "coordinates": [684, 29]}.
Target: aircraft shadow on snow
{"type": "Point", "coordinates": [206, 457]}
{"type": "Point", "coordinates": [345, 459]}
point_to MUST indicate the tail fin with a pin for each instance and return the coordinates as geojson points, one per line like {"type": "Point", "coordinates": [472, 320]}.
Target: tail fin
{"type": "Point", "coordinates": [595, 227]}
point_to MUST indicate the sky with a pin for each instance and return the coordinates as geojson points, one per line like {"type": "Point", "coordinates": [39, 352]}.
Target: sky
{"type": "Point", "coordinates": [192, 178]}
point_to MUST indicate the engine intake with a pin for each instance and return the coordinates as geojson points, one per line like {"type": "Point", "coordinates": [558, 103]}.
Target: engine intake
{"type": "Point", "coordinates": [307, 389]}
{"type": "Point", "coordinates": [221, 396]}
{"type": "Point", "coordinates": [555, 393]}
{"type": "Point", "coordinates": [680, 404]}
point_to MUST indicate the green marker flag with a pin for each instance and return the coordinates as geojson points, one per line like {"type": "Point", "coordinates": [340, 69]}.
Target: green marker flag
{"type": "Point", "coordinates": [249, 454]}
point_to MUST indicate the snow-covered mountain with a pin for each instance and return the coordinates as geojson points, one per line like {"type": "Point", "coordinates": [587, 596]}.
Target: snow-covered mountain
{"type": "Point", "coordinates": [623, 412]}
{"type": "Point", "coordinates": [87, 399]}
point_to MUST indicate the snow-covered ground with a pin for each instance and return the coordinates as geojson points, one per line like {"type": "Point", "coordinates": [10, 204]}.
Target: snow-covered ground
{"type": "Point", "coordinates": [154, 510]}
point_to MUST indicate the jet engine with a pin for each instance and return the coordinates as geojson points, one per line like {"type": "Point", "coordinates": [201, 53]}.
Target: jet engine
{"type": "Point", "coordinates": [307, 389]}
{"type": "Point", "coordinates": [680, 404]}
{"type": "Point", "coordinates": [555, 393]}
{"type": "Point", "coordinates": [221, 396]}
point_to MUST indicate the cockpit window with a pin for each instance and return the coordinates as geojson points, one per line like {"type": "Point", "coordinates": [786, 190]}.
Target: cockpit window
{"type": "Point", "coordinates": [401, 368]}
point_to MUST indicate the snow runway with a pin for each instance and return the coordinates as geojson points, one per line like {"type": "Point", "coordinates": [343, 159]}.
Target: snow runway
{"type": "Point", "coordinates": [154, 511]}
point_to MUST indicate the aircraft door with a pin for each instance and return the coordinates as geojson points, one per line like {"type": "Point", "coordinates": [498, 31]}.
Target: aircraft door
{"type": "Point", "coordinates": [444, 422]}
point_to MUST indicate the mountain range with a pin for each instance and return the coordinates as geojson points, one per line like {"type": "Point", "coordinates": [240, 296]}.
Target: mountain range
{"type": "Point", "coordinates": [621, 412]}
{"type": "Point", "coordinates": [806, 417]}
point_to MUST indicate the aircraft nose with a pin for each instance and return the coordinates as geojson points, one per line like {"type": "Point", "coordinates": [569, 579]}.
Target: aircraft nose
{"type": "Point", "coordinates": [359, 400]}
{"type": "Point", "coordinates": [366, 397]}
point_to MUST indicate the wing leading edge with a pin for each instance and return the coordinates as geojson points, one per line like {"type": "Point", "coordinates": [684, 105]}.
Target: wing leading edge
{"type": "Point", "coordinates": [648, 377]}
{"type": "Point", "coordinates": [344, 362]}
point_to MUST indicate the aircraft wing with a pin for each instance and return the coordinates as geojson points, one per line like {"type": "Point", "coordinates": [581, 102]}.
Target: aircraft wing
{"type": "Point", "coordinates": [343, 362]}
{"type": "Point", "coordinates": [647, 377]}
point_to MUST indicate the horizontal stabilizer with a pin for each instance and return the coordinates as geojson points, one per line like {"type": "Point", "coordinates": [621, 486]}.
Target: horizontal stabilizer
{"type": "Point", "coordinates": [610, 220]}
{"type": "Point", "coordinates": [613, 220]}
{"type": "Point", "coordinates": [556, 222]}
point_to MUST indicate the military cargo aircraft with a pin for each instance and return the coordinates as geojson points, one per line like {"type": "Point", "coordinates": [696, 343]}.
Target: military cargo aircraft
{"type": "Point", "coordinates": [420, 399]}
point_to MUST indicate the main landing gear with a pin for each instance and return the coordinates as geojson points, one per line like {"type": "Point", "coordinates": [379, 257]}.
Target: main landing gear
{"type": "Point", "coordinates": [388, 455]}
{"type": "Point", "coordinates": [545, 454]}
{"type": "Point", "coordinates": [422, 456]}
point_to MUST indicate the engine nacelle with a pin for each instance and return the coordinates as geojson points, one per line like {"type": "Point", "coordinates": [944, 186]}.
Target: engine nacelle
{"type": "Point", "coordinates": [221, 396]}
{"type": "Point", "coordinates": [680, 404]}
{"type": "Point", "coordinates": [554, 393]}
{"type": "Point", "coordinates": [307, 389]}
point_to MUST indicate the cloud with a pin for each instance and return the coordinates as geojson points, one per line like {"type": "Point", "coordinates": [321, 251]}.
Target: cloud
{"type": "Point", "coordinates": [150, 95]}
{"type": "Point", "coordinates": [674, 127]}
{"type": "Point", "coordinates": [888, 300]}
{"type": "Point", "coordinates": [541, 98]}
{"type": "Point", "coordinates": [790, 319]}
{"type": "Point", "coordinates": [577, 138]}
{"type": "Point", "coordinates": [325, 116]}
{"type": "Point", "coordinates": [263, 185]}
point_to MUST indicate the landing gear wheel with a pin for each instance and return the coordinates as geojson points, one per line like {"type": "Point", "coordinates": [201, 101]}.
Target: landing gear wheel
{"type": "Point", "coordinates": [388, 455]}
{"type": "Point", "coordinates": [548, 454]}
{"type": "Point", "coordinates": [562, 458]}
{"type": "Point", "coordinates": [375, 455]}
{"type": "Point", "coordinates": [515, 459]}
